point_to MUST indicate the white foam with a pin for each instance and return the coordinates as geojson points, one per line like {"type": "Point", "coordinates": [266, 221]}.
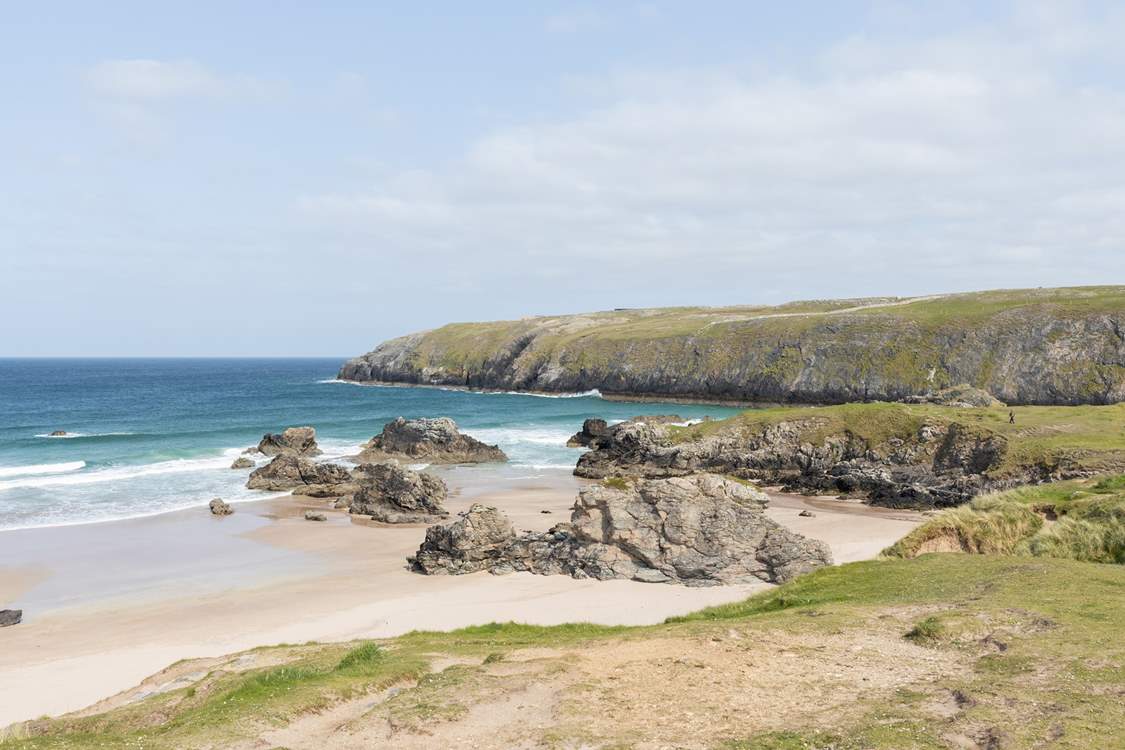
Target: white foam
{"type": "Point", "coordinates": [60, 468]}
{"type": "Point", "coordinates": [592, 393]}
{"type": "Point", "coordinates": [71, 435]}
{"type": "Point", "coordinates": [513, 436]}
{"type": "Point", "coordinates": [121, 473]}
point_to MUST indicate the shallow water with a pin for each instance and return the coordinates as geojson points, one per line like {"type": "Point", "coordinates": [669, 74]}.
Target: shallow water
{"type": "Point", "coordinates": [147, 436]}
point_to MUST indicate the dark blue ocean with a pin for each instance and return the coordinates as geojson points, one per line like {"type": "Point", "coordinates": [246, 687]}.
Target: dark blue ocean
{"type": "Point", "coordinates": [148, 436]}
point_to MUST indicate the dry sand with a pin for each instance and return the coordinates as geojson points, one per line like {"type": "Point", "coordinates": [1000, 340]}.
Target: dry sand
{"type": "Point", "coordinates": [206, 587]}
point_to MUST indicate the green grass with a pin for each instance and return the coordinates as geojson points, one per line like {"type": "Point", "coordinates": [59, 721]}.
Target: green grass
{"type": "Point", "coordinates": [1078, 520]}
{"type": "Point", "coordinates": [1058, 622]}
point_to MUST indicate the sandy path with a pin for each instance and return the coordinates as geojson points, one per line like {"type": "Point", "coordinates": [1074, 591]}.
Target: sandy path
{"type": "Point", "coordinates": [347, 580]}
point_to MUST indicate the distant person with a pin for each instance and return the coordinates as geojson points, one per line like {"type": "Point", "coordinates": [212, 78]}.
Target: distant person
{"type": "Point", "coordinates": [1011, 417]}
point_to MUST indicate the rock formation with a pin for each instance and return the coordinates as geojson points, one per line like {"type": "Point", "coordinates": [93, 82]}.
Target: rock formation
{"type": "Point", "coordinates": [963, 396]}
{"type": "Point", "coordinates": [9, 617]}
{"type": "Point", "coordinates": [242, 462]}
{"type": "Point", "coordinates": [297, 441]}
{"type": "Point", "coordinates": [390, 493]}
{"type": "Point", "coordinates": [303, 476]}
{"type": "Point", "coordinates": [220, 507]}
{"type": "Point", "coordinates": [938, 464]}
{"type": "Point", "coordinates": [58, 433]}
{"type": "Point", "coordinates": [591, 429]}
{"type": "Point", "coordinates": [428, 440]}
{"type": "Point", "coordinates": [699, 530]}
{"type": "Point", "coordinates": [1032, 346]}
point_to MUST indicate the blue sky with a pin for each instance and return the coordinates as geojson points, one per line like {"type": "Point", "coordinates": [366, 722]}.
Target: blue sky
{"type": "Point", "coordinates": [311, 178]}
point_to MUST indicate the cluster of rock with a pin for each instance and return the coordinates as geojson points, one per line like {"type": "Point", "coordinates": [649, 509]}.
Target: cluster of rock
{"type": "Point", "coordinates": [220, 507]}
{"type": "Point", "coordinates": [963, 396]}
{"type": "Point", "coordinates": [942, 464]}
{"type": "Point", "coordinates": [303, 476]}
{"type": "Point", "coordinates": [698, 530]}
{"type": "Point", "coordinates": [594, 430]}
{"type": "Point", "coordinates": [429, 440]}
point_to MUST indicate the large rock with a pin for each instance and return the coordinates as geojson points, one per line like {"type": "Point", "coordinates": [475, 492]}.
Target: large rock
{"type": "Point", "coordinates": [591, 430]}
{"type": "Point", "coordinates": [699, 530]}
{"type": "Point", "coordinates": [392, 494]}
{"type": "Point", "coordinates": [429, 440]}
{"type": "Point", "coordinates": [303, 476]}
{"type": "Point", "coordinates": [220, 507]}
{"type": "Point", "coordinates": [242, 462]}
{"type": "Point", "coordinates": [10, 617]}
{"type": "Point", "coordinates": [297, 441]}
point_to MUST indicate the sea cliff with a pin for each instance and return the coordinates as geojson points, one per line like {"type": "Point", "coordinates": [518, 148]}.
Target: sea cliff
{"type": "Point", "coordinates": [1042, 346]}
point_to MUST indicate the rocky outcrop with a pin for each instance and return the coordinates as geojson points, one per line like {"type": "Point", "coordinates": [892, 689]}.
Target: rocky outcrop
{"type": "Point", "coordinates": [303, 476]}
{"type": "Point", "coordinates": [963, 396]}
{"type": "Point", "coordinates": [294, 441]}
{"type": "Point", "coordinates": [699, 530]}
{"type": "Point", "coordinates": [428, 440]}
{"type": "Point", "coordinates": [1039, 346]}
{"type": "Point", "coordinates": [922, 462]}
{"type": "Point", "coordinates": [220, 507]}
{"type": "Point", "coordinates": [390, 493]}
{"type": "Point", "coordinates": [9, 617]}
{"type": "Point", "coordinates": [591, 430]}
{"type": "Point", "coordinates": [242, 462]}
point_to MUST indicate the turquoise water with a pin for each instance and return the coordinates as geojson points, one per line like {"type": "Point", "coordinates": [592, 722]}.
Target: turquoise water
{"type": "Point", "coordinates": [154, 435]}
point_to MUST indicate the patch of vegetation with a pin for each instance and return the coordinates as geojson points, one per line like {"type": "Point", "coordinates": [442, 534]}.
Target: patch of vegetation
{"type": "Point", "coordinates": [1078, 520]}
{"type": "Point", "coordinates": [927, 630]}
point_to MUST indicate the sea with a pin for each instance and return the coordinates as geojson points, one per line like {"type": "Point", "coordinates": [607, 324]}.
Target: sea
{"type": "Point", "coordinates": [150, 436]}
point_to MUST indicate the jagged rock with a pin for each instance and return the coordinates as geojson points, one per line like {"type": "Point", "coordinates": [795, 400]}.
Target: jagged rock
{"type": "Point", "coordinates": [699, 530]}
{"type": "Point", "coordinates": [591, 429]}
{"type": "Point", "coordinates": [9, 617]}
{"type": "Point", "coordinates": [429, 440]}
{"type": "Point", "coordinates": [303, 476]}
{"type": "Point", "coordinates": [943, 464]}
{"type": "Point", "coordinates": [392, 494]}
{"type": "Point", "coordinates": [963, 396]}
{"type": "Point", "coordinates": [220, 507]}
{"type": "Point", "coordinates": [299, 441]}
{"type": "Point", "coordinates": [242, 463]}
{"type": "Point", "coordinates": [315, 515]}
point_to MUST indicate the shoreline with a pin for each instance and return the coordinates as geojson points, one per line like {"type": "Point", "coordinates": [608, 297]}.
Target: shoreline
{"type": "Point", "coordinates": [101, 615]}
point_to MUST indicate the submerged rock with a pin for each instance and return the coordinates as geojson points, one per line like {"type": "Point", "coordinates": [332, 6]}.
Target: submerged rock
{"type": "Point", "coordinates": [699, 530]}
{"type": "Point", "coordinates": [392, 494]}
{"type": "Point", "coordinates": [242, 463]}
{"type": "Point", "coordinates": [59, 433]}
{"type": "Point", "coordinates": [9, 617]}
{"type": "Point", "coordinates": [303, 476]}
{"type": "Point", "coordinates": [299, 441]}
{"type": "Point", "coordinates": [220, 507]}
{"type": "Point", "coordinates": [430, 440]}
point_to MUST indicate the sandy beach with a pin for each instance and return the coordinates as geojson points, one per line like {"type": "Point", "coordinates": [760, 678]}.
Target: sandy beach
{"type": "Point", "coordinates": [108, 604]}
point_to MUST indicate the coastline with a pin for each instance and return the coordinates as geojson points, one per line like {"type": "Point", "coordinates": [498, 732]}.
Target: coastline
{"type": "Point", "coordinates": [102, 615]}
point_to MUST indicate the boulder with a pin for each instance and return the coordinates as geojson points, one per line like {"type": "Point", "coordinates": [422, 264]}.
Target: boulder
{"type": "Point", "coordinates": [430, 440]}
{"type": "Point", "coordinates": [699, 530]}
{"type": "Point", "coordinates": [392, 494]}
{"type": "Point", "coordinates": [303, 476]}
{"type": "Point", "coordinates": [298, 441]}
{"type": "Point", "coordinates": [315, 515]}
{"type": "Point", "coordinates": [220, 507]}
{"type": "Point", "coordinates": [10, 617]}
{"type": "Point", "coordinates": [242, 462]}
{"type": "Point", "coordinates": [591, 430]}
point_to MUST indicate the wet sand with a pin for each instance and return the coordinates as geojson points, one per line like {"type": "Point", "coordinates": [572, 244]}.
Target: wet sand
{"type": "Point", "coordinates": [108, 604]}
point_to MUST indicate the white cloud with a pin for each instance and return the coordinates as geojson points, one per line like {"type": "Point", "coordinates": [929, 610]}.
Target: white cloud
{"type": "Point", "coordinates": [979, 160]}
{"type": "Point", "coordinates": [154, 80]}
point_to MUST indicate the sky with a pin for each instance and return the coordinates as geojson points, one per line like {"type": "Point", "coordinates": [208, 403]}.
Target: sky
{"type": "Point", "coordinates": [292, 178]}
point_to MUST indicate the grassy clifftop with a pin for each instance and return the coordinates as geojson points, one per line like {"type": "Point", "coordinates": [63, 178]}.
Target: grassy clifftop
{"type": "Point", "coordinates": [1044, 346]}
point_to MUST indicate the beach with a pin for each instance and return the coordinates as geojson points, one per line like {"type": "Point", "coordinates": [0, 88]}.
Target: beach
{"type": "Point", "coordinates": [108, 604]}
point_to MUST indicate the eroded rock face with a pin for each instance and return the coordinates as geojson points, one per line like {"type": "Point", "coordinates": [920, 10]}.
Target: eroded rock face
{"type": "Point", "coordinates": [303, 476]}
{"type": "Point", "coordinates": [430, 440]}
{"type": "Point", "coordinates": [297, 441]}
{"type": "Point", "coordinates": [699, 530]}
{"type": "Point", "coordinates": [591, 430]}
{"type": "Point", "coordinates": [940, 466]}
{"type": "Point", "coordinates": [392, 494]}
